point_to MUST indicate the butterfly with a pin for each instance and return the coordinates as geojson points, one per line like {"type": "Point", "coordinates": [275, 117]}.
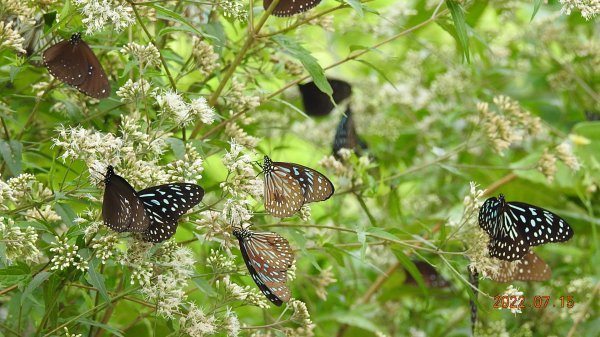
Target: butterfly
{"type": "Point", "coordinates": [288, 186]}
{"type": "Point", "coordinates": [291, 7]}
{"type": "Point", "coordinates": [515, 226]}
{"type": "Point", "coordinates": [592, 116]}
{"type": "Point", "coordinates": [317, 103]}
{"type": "Point", "coordinates": [73, 62]}
{"type": "Point", "coordinates": [268, 256]}
{"type": "Point", "coordinates": [153, 211]}
{"type": "Point", "coordinates": [529, 268]}
{"type": "Point", "coordinates": [346, 136]}
{"type": "Point", "coordinates": [431, 277]}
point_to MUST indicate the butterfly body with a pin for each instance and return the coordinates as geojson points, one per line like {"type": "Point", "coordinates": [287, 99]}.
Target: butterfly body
{"type": "Point", "coordinates": [288, 186]}
{"type": "Point", "coordinates": [291, 7]}
{"type": "Point", "coordinates": [515, 226]}
{"type": "Point", "coordinates": [153, 211]}
{"type": "Point", "coordinates": [267, 256]}
{"type": "Point", "coordinates": [346, 136]}
{"type": "Point", "coordinates": [73, 62]}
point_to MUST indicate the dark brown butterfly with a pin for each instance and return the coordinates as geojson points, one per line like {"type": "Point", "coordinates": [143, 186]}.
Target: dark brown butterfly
{"type": "Point", "coordinates": [73, 62]}
{"type": "Point", "coordinates": [346, 136]}
{"type": "Point", "coordinates": [153, 211]}
{"type": "Point", "coordinates": [529, 268]}
{"type": "Point", "coordinates": [431, 277]}
{"type": "Point", "coordinates": [317, 103]}
{"type": "Point", "coordinates": [291, 7]}
{"type": "Point", "coordinates": [268, 256]}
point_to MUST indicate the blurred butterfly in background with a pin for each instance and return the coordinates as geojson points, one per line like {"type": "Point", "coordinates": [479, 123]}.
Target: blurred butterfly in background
{"type": "Point", "coordinates": [515, 226]}
{"type": "Point", "coordinates": [346, 136]}
{"type": "Point", "coordinates": [317, 103]}
{"type": "Point", "coordinates": [529, 268]}
{"type": "Point", "coordinates": [592, 116]}
{"type": "Point", "coordinates": [288, 186]}
{"type": "Point", "coordinates": [73, 62]}
{"type": "Point", "coordinates": [431, 277]}
{"type": "Point", "coordinates": [32, 31]}
{"type": "Point", "coordinates": [291, 7]}
{"type": "Point", "coordinates": [153, 211]}
{"type": "Point", "coordinates": [268, 256]}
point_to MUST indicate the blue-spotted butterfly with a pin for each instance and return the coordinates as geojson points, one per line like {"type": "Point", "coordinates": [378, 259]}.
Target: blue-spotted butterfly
{"type": "Point", "coordinates": [318, 103]}
{"type": "Point", "coordinates": [153, 211]}
{"type": "Point", "coordinates": [291, 7]}
{"type": "Point", "coordinates": [346, 136]}
{"type": "Point", "coordinates": [268, 256]}
{"type": "Point", "coordinates": [73, 62]}
{"type": "Point", "coordinates": [515, 226]}
{"type": "Point", "coordinates": [530, 268]}
{"type": "Point", "coordinates": [288, 186]}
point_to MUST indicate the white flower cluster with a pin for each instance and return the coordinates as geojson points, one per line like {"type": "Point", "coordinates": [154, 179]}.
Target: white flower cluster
{"type": "Point", "coordinates": [302, 317]}
{"type": "Point", "coordinates": [65, 256]}
{"type": "Point", "coordinates": [99, 13]}
{"type": "Point", "coordinates": [132, 92]}
{"type": "Point", "coordinates": [105, 246]}
{"type": "Point", "coordinates": [10, 38]}
{"type": "Point", "coordinates": [189, 169]}
{"type": "Point", "coordinates": [45, 213]}
{"type": "Point", "coordinates": [513, 292]}
{"type": "Point", "coordinates": [588, 8]}
{"type": "Point", "coordinates": [182, 113]}
{"type": "Point", "coordinates": [248, 294]}
{"type": "Point", "coordinates": [220, 263]}
{"type": "Point", "coordinates": [234, 9]}
{"type": "Point", "coordinates": [204, 55]}
{"type": "Point", "coordinates": [19, 245]}
{"type": "Point", "coordinates": [198, 324]}
{"type": "Point", "coordinates": [147, 55]}
{"type": "Point", "coordinates": [242, 177]}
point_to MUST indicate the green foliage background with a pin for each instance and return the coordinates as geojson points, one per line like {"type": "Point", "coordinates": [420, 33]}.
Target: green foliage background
{"type": "Point", "coordinates": [418, 71]}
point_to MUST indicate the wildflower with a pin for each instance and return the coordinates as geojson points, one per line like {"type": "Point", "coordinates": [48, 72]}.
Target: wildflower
{"type": "Point", "coordinates": [197, 324]}
{"type": "Point", "coordinates": [188, 169]}
{"type": "Point", "coordinates": [305, 213]}
{"type": "Point", "coordinates": [588, 8]}
{"type": "Point", "coordinates": [547, 165]}
{"type": "Point", "coordinates": [302, 317]}
{"type": "Point", "coordinates": [134, 91]}
{"type": "Point", "coordinates": [232, 323]}
{"type": "Point", "coordinates": [248, 294]}
{"type": "Point", "coordinates": [99, 13]}
{"type": "Point", "coordinates": [238, 100]}
{"type": "Point", "coordinates": [512, 292]}
{"type": "Point", "coordinates": [199, 107]}
{"type": "Point", "coordinates": [325, 22]}
{"type": "Point", "coordinates": [147, 55]}
{"type": "Point", "coordinates": [204, 55]}
{"type": "Point", "coordinates": [497, 128]}
{"type": "Point", "coordinates": [234, 9]}
{"type": "Point", "coordinates": [234, 131]}
{"type": "Point", "coordinates": [10, 38]}
{"type": "Point", "coordinates": [219, 262]}
{"type": "Point", "coordinates": [66, 256]}
{"type": "Point", "coordinates": [173, 104]}
{"type": "Point", "coordinates": [564, 152]}
{"type": "Point", "coordinates": [105, 246]}
{"type": "Point", "coordinates": [68, 334]}
{"type": "Point", "coordinates": [46, 213]}
{"type": "Point", "coordinates": [235, 212]}
{"type": "Point", "coordinates": [19, 245]}
{"type": "Point", "coordinates": [323, 281]}
{"type": "Point", "coordinates": [492, 329]}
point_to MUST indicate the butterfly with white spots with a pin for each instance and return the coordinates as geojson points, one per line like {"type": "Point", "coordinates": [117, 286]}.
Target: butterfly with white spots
{"type": "Point", "coordinates": [153, 211]}
{"type": "Point", "coordinates": [288, 186]}
{"type": "Point", "coordinates": [515, 226]}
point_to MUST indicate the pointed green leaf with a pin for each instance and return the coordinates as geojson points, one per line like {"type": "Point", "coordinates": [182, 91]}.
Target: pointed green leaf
{"type": "Point", "coordinates": [458, 16]}
{"type": "Point", "coordinates": [34, 284]}
{"type": "Point", "coordinates": [96, 279]}
{"type": "Point", "coordinates": [11, 153]}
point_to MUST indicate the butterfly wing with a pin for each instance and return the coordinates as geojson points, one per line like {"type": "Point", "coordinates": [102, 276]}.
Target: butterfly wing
{"type": "Point", "coordinates": [96, 85]}
{"type": "Point", "coordinates": [506, 241]}
{"type": "Point", "coordinates": [317, 103]}
{"type": "Point", "coordinates": [539, 225]}
{"type": "Point", "coordinates": [431, 277]}
{"type": "Point", "coordinates": [283, 194]}
{"type": "Point", "coordinates": [67, 62]}
{"type": "Point", "coordinates": [121, 208]}
{"type": "Point", "coordinates": [164, 204]}
{"type": "Point", "coordinates": [268, 256]}
{"type": "Point", "coordinates": [315, 186]}
{"type": "Point", "coordinates": [291, 7]}
{"type": "Point", "coordinates": [529, 268]}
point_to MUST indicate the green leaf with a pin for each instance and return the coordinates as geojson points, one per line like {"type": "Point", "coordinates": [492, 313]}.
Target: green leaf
{"type": "Point", "coordinates": [112, 330]}
{"type": "Point", "coordinates": [356, 5]}
{"type": "Point", "coordinates": [412, 269]}
{"type": "Point", "coordinates": [175, 17]}
{"type": "Point", "coordinates": [177, 146]}
{"type": "Point", "coordinates": [458, 16]}
{"type": "Point", "coordinates": [66, 213]}
{"type": "Point", "coordinates": [11, 153]}
{"type": "Point", "coordinates": [379, 71]}
{"type": "Point", "coordinates": [96, 279]}
{"type": "Point", "coordinates": [356, 319]}
{"type": "Point", "coordinates": [295, 50]}
{"type": "Point", "coordinates": [34, 284]}
{"type": "Point", "coordinates": [379, 232]}
{"type": "Point", "coordinates": [536, 6]}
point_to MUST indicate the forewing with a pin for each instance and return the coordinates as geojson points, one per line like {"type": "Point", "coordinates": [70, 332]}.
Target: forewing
{"type": "Point", "coordinates": [291, 7]}
{"type": "Point", "coordinates": [283, 194]}
{"type": "Point", "coordinates": [317, 103]}
{"type": "Point", "coordinates": [539, 225]}
{"type": "Point", "coordinates": [164, 205]}
{"type": "Point", "coordinates": [121, 208]}
{"type": "Point", "coordinates": [67, 62]}
{"type": "Point", "coordinates": [96, 85]}
{"type": "Point", "coordinates": [315, 186]}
